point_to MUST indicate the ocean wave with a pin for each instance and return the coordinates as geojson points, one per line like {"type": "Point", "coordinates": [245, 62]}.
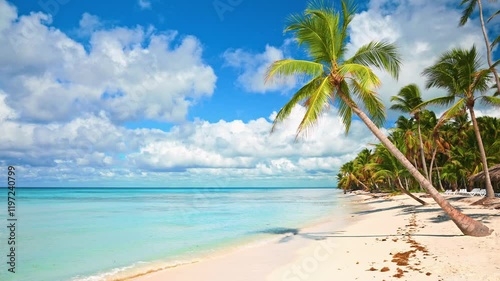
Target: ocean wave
{"type": "Point", "coordinates": [105, 275]}
{"type": "Point", "coordinates": [138, 269]}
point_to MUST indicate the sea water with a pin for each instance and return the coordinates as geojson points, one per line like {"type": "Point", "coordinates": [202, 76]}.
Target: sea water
{"type": "Point", "coordinates": [92, 233]}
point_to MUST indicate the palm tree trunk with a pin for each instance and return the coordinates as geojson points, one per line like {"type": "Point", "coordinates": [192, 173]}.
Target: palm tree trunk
{"type": "Point", "coordinates": [399, 185]}
{"type": "Point", "coordinates": [364, 185]}
{"type": "Point", "coordinates": [489, 188]}
{"type": "Point", "coordinates": [431, 167]}
{"type": "Point", "coordinates": [466, 224]}
{"type": "Point", "coordinates": [439, 179]}
{"type": "Point", "coordinates": [415, 164]}
{"type": "Point", "coordinates": [488, 47]}
{"type": "Point", "coordinates": [432, 163]}
{"type": "Point", "coordinates": [422, 154]}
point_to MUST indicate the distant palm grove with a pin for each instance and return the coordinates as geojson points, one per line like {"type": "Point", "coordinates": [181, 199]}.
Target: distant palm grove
{"type": "Point", "coordinates": [449, 149]}
{"type": "Point", "coordinates": [451, 155]}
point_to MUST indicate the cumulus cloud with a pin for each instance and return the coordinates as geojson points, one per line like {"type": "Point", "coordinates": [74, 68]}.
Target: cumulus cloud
{"type": "Point", "coordinates": [88, 24]}
{"type": "Point", "coordinates": [131, 73]}
{"type": "Point", "coordinates": [252, 68]}
{"type": "Point", "coordinates": [199, 153]}
{"type": "Point", "coordinates": [422, 30]}
{"type": "Point", "coordinates": [232, 147]}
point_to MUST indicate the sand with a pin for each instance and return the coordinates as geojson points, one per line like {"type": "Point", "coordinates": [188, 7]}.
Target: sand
{"type": "Point", "coordinates": [390, 238]}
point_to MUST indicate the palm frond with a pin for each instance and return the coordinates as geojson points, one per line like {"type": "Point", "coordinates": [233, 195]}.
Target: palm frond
{"type": "Point", "coordinates": [444, 101]}
{"type": "Point", "coordinates": [331, 23]}
{"type": "Point", "coordinates": [345, 110]}
{"type": "Point", "coordinates": [371, 102]}
{"type": "Point", "coordinates": [361, 73]}
{"type": "Point", "coordinates": [467, 12]}
{"type": "Point", "coordinates": [398, 106]}
{"type": "Point", "coordinates": [457, 109]}
{"type": "Point", "coordinates": [382, 55]}
{"type": "Point", "coordinates": [311, 31]}
{"type": "Point", "coordinates": [316, 104]}
{"type": "Point", "coordinates": [407, 100]}
{"type": "Point", "coordinates": [289, 67]}
{"type": "Point", "coordinates": [494, 15]}
{"type": "Point", "coordinates": [489, 100]}
{"type": "Point", "coordinates": [480, 81]}
{"type": "Point", "coordinates": [459, 72]}
{"type": "Point", "coordinates": [348, 12]}
{"type": "Point", "coordinates": [305, 92]}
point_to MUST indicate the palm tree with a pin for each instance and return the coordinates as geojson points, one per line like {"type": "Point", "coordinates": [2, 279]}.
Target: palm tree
{"type": "Point", "coordinates": [407, 101]}
{"type": "Point", "coordinates": [345, 82]}
{"type": "Point", "coordinates": [361, 166]}
{"type": "Point", "coordinates": [349, 176]}
{"type": "Point", "coordinates": [406, 127]}
{"type": "Point", "coordinates": [387, 166]}
{"type": "Point", "coordinates": [467, 12]}
{"type": "Point", "coordinates": [458, 71]}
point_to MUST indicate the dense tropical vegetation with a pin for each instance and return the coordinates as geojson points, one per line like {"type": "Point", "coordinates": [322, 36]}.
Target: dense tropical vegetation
{"type": "Point", "coordinates": [451, 154]}
{"type": "Point", "coordinates": [350, 85]}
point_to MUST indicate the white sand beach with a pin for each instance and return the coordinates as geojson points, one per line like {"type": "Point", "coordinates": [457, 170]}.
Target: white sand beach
{"type": "Point", "coordinates": [392, 239]}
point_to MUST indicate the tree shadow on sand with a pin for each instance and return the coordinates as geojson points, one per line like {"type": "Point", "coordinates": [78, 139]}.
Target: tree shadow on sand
{"type": "Point", "coordinates": [318, 236]}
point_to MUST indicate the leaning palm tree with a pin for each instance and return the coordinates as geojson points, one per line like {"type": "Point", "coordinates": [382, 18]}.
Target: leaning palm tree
{"type": "Point", "coordinates": [407, 101]}
{"type": "Point", "coordinates": [349, 84]}
{"type": "Point", "coordinates": [349, 176]}
{"type": "Point", "coordinates": [459, 72]}
{"type": "Point", "coordinates": [386, 165]}
{"type": "Point", "coordinates": [470, 6]}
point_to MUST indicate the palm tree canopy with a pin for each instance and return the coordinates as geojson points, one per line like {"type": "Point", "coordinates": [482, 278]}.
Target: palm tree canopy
{"type": "Point", "coordinates": [407, 100]}
{"type": "Point", "coordinates": [323, 31]}
{"type": "Point", "coordinates": [460, 73]}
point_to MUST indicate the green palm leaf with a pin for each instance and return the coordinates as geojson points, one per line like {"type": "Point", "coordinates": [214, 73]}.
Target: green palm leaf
{"type": "Point", "coordinates": [494, 15]}
{"type": "Point", "coordinates": [304, 93]}
{"type": "Point", "coordinates": [312, 32]}
{"type": "Point", "coordinates": [289, 67]}
{"type": "Point", "coordinates": [316, 104]}
{"type": "Point", "coordinates": [382, 55]}
{"type": "Point", "coordinates": [488, 100]}
{"type": "Point", "coordinates": [457, 109]}
{"type": "Point", "coordinates": [467, 12]}
{"type": "Point", "coordinates": [444, 101]}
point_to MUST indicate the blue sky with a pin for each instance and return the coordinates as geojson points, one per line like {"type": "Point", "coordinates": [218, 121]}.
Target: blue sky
{"type": "Point", "coordinates": [157, 93]}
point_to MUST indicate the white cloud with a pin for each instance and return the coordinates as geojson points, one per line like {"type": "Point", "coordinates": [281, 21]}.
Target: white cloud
{"type": "Point", "coordinates": [88, 24]}
{"type": "Point", "coordinates": [253, 68]}
{"type": "Point", "coordinates": [201, 153]}
{"type": "Point", "coordinates": [235, 146]}
{"type": "Point", "coordinates": [131, 73]}
{"type": "Point", "coordinates": [421, 29]}
{"type": "Point", "coordinates": [493, 112]}
{"type": "Point", "coordinates": [144, 4]}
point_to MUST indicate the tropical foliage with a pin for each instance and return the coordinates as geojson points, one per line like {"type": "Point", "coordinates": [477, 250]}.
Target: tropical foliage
{"type": "Point", "coordinates": [350, 84]}
{"type": "Point", "coordinates": [453, 150]}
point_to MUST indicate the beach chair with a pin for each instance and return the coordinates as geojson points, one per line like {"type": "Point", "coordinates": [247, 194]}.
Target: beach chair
{"type": "Point", "coordinates": [474, 192]}
{"type": "Point", "coordinates": [482, 192]}
{"type": "Point", "coordinates": [497, 194]}
{"type": "Point", "coordinates": [463, 191]}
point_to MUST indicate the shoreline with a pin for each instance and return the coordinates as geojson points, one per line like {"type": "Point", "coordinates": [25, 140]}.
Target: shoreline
{"type": "Point", "coordinates": [258, 239]}
{"type": "Point", "coordinates": [387, 239]}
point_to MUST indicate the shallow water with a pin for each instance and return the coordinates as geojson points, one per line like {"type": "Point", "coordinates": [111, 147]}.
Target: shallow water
{"type": "Point", "coordinates": [87, 234]}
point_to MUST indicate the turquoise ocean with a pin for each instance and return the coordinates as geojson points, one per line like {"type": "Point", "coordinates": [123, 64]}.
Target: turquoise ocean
{"type": "Point", "coordinates": [95, 233]}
